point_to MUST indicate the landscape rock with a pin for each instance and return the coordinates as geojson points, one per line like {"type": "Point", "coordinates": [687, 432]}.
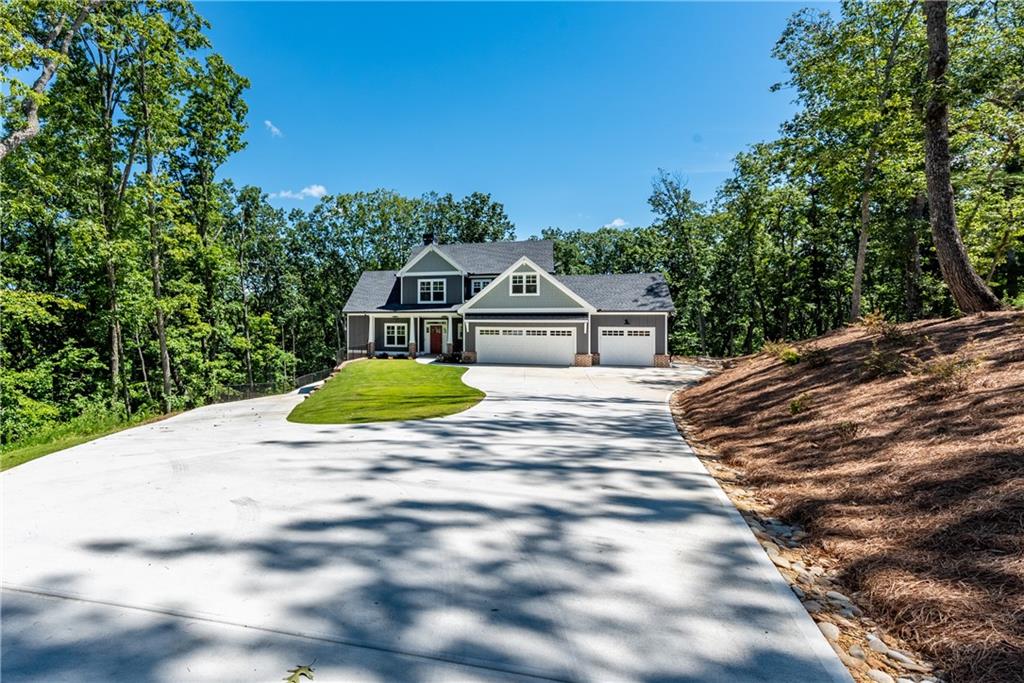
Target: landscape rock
{"type": "Point", "coordinates": [880, 676]}
{"type": "Point", "coordinates": [858, 652]}
{"type": "Point", "coordinates": [813, 606]}
{"type": "Point", "coordinates": [829, 630]}
{"type": "Point", "coordinates": [838, 597]}
{"type": "Point", "coordinates": [876, 644]}
{"type": "Point", "coordinates": [779, 560]}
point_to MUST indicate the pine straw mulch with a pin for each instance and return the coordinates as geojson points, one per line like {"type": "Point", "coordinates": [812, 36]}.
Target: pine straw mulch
{"type": "Point", "coordinates": [912, 482]}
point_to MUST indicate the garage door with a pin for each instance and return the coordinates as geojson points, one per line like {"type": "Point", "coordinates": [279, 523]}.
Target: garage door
{"type": "Point", "coordinates": [626, 345]}
{"type": "Point", "coordinates": [522, 346]}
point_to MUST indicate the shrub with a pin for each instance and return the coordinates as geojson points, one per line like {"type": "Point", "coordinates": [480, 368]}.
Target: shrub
{"type": "Point", "coordinates": [883, 363]}
{"type": "Point", "coordinates": [783, 351]}
{"type": "Point", "coordinates": [455, 357]}
{"type": "Point", "coordinates": [382, 355]}
{"type": "Point", "coordinates": [799, 404]}
{"type": "Point", "coordinates": [847, 429]}
{"type": "Point", "coordinates": [948, 374]}
{"type": "Point", "coordinates": [876, 323]}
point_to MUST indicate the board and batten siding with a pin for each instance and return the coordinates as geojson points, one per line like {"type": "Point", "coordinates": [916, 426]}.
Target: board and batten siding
{"type": "Point", "coordinates": [658, 321]}
{"type": "Point", "coordinates": [453, 289]}
{"type": "Point", "coordinates": [432, 263]}
{"type": "Point", "coordinates": [548, 296]}
{"type": "Point", "coordinates": [469, 338]}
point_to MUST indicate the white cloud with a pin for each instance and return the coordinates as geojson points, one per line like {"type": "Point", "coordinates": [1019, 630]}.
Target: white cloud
{"type": "Point", "coordinates": [617, 223]}
{"type": "Point", "coordinates": [274, 130]}
{"type": "Point", "coordinates": [315, 191]}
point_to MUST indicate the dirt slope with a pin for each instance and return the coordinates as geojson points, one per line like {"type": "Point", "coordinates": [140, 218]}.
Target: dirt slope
{"type": "Point", "coordinates": [901, 451]}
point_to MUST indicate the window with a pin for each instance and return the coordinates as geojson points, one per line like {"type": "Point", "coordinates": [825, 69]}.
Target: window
{"type": "Point", "coordinates": [512, 333]}
{"type": "Point", "coordinates": [431, 291]}
{"type": "Point", "coordinates": [396, 334]}
{"type": "Point", "coordinates": [490, 333]}
{"type": "Point", "coordinates": [476, 285]}
{"type": "Point", "coordinates": [638, 333]}
{"type": "Point", "coordinates": [613, 333]}
{"type": "Point", "coordinates": [536, 333]}
{"type": "Point", "coordinates": [561, 333]}
{"type": "Point", "coordinates": [523, 284]}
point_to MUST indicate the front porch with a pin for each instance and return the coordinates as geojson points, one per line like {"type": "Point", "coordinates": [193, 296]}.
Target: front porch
{"type": "Point", "coordinates": [415, 334]}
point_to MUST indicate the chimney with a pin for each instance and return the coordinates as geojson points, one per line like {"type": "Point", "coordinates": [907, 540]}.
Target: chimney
{"type": "Point", "coordinates": [428, 238]}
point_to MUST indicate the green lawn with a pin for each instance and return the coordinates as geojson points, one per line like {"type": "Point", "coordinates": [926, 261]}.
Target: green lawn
{"type": "Point", "coordinates": [69, 435]}
{"type": "Point", "coordinates": [388, 390]}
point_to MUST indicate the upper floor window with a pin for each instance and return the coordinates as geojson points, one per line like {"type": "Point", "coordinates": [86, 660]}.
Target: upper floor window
{"type": "Point", "coordinates": [476, 285]}
{"type": "Point", "coordinates": [523, 284]}
{"type": "Point", "coordinates": [431, 291]}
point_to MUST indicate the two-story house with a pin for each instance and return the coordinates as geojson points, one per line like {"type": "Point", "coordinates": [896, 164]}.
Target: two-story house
{"type": "Point", "coordinates": [502, 302]}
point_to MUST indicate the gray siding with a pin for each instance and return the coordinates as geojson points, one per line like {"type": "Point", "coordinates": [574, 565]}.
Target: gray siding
{"type": "Point", "coordinates": [432, 263]}
{"type": "Point", "coordinates": [599, 320]}
{"type": "Point", "coordinates": [470, 336]}
{"type": "Point", "coordinates": [549, 296]}
{"type": "Point", "coordinates": [453, 288]}
{"type": "Point", "coordinates": [378, 333]}
{"type": "Point", "coordinates": [357, 332]}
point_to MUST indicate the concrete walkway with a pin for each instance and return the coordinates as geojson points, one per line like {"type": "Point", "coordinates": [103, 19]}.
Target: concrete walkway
{"type": "Point", "coordinates": [559, 530]}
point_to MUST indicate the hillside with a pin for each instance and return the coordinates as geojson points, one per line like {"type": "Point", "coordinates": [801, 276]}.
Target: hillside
{"type": "Point", "coordinates": [900, 451]}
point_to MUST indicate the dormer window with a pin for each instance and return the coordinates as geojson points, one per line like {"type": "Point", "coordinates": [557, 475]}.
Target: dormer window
{"type": "Point", "coordinates": [523, 284]}
{"type": "Point", "coordinates": [431, 291]}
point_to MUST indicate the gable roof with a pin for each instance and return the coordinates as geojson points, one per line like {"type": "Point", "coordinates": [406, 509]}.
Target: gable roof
{"type": "Point", "coordinates": [516, 268]}
{"type": "Point", "coordinates": [428, 249]}
{"type": "Point", "coordinates": [489, 258]}
{"type": "Point", "coordinates": [622, 292]}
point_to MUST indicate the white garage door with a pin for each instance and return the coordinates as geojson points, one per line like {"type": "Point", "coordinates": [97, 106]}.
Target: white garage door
{"type": "Point", "coordinates": [626, 345]}
{"type": "Point", "coordinates": [525, 346]}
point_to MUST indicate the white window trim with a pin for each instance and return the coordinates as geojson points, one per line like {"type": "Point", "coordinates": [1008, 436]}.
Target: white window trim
{"type": "Point", "coordinates": [513, 276]}
{"type": "Point", "coordinates": [419, 290]}
{"type": "Point", "coordinates": [482, 281]}
{"type": "Point", "coordinates": [405, 335]}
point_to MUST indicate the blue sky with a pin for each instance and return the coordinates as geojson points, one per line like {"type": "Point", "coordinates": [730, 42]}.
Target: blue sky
{"type": "Point", "coordinates": [563, 112]}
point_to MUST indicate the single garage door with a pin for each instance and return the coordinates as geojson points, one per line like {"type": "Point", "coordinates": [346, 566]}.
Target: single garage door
{"type": "Point", "coordinates": [626, 345]}
{"type": "Point", "coordinates": [525, 346]}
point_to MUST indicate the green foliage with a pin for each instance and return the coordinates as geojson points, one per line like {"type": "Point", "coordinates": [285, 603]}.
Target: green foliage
{"type": "Point", "coordinates": [884, 362]}
{"type": "Point", "coordinates": [946, 374]}
{"type": "Point", "coordinates": [800, 404]}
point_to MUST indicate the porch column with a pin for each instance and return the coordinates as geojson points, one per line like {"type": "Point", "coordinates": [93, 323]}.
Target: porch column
{"type": "Point", "coordinates": [449, 335]}
{"type": "Point", "coordinates": [413, 346]}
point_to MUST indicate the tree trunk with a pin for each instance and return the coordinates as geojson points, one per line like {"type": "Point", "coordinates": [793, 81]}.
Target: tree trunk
{"type": "Point", "coordinates": [969, 291]}
{"type": "Point", "coordinates": [862, 241]}
{"type": "Point", "coordinates": [30, 105]}
{"type": "Point", "coordinates": [912, 259]}
{"type": "Point", "coordinates": [154, 246]}
{"type": "Point", "coordinates": [142, 364]}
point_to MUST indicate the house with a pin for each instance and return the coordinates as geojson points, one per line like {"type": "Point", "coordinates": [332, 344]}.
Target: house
{"type": "Point", "coordinates": [502, 302]}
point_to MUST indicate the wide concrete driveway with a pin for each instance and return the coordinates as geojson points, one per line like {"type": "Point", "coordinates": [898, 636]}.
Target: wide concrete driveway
{"type": "Point", "coordinates": [559, 530]}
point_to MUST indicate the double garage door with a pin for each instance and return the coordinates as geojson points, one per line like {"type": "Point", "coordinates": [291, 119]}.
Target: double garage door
{"type": "Point", "coordinates": [526, 346]}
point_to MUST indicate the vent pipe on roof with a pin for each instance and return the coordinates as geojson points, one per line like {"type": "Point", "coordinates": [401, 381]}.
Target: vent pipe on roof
{"type": "Point", "coordinates": [428, 238]}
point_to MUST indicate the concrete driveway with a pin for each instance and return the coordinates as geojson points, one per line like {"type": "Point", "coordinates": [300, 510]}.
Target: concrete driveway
{"type": "Point", "coordinates": [559, 530]}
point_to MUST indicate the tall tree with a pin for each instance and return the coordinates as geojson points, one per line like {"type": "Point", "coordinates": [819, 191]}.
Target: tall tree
{"type": "Point", "coordinates": [969, 291]}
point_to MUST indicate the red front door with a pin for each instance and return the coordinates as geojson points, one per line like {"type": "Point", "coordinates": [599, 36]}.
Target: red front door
{"type": "Point", "coordinates": [435, 339]}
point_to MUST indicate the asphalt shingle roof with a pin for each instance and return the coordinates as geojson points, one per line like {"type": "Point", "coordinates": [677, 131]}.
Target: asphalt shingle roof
{"type": "Point", "coordinates": [377, 290]}
{"type": "Point", "coordinates": [491, 258]}
{"type": "Point", "coordinates": [622, 292]}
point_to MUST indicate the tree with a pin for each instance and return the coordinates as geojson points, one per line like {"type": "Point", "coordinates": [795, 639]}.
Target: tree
{"type": "Point", "coordinates": [60, 21]}
{"type": "Point", "coordinates": [969, 291]}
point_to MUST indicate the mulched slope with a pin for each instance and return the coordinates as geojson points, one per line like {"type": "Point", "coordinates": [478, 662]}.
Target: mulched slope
{"type": "Point", "coordinates": [915, 489]}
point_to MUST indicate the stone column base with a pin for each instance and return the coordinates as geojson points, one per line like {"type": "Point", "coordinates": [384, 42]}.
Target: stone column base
{"type": "Point", "coordinates": [450, 348]}
{"type": "Point", "coordinates": [595, 359]}
{"type": "Point", "coordinates": [412, 350]}
{"type": "Point", "coordinates": [469, 356]}
{"type": "Point", "coordinates": [662, 361]}
{"type": "Point", "coordinates": [370, 348]}
{"type": "Point", "coordinates": [582, 360]}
